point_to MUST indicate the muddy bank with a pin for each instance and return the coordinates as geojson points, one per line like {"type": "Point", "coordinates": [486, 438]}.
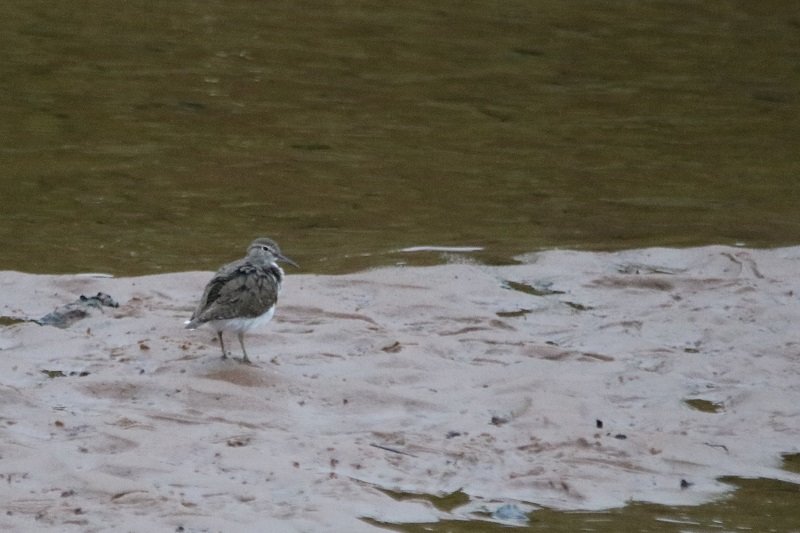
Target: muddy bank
{"type": "Point", "coordinates": [573, 380]}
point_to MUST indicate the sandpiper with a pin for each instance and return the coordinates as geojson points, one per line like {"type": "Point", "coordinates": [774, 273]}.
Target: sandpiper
{"type": "Point", "coordinates": [242, 295]}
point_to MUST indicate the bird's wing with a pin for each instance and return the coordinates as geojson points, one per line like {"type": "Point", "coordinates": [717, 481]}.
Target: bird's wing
{"type": "Point", "coordinates": [214, 286]}
{"type": "Point", "coordinates": [236, 291]}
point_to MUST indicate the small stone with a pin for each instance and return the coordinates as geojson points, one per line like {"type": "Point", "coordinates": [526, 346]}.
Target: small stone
{"type": "Point", "coordinates": [498, 421]}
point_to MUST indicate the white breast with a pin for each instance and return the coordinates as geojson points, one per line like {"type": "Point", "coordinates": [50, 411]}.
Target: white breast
{"type": "Point", "coordinates": [242, 324]}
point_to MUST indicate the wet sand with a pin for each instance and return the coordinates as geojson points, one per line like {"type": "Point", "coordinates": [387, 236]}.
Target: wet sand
{"type": "Point", "coordinates": [560, 382]}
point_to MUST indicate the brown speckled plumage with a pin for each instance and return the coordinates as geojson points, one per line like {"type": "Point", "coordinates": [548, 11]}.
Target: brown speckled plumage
{"type": "Point", "coordinates": [242, 294]}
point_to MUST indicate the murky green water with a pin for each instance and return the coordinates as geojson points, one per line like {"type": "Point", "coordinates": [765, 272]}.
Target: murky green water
{"type": "Point", "coordinates": [757, 505]}
{"type": "Point", "coordinates": [141, 138]}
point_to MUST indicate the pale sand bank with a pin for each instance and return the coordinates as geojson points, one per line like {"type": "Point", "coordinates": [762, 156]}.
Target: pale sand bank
{"type": "Point", "coordinates": [414, 379]}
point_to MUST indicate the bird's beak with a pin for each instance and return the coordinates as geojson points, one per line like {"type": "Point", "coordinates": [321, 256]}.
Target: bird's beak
{"type": "Point", "coordinates": [281, 257]}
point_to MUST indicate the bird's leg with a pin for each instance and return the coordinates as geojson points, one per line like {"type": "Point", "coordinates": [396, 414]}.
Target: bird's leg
{"type": "Point", "coordinates": [222, 345]}
{"type": "Point", "coordinates": [245, 359]}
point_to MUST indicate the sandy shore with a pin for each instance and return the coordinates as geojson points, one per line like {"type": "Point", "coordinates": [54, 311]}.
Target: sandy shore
{"type": "Point", "coordinates": [491, 380]}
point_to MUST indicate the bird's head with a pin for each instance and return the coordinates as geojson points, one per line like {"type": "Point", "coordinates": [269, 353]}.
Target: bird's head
{"type": "Point", "coordinates": [267, 250]}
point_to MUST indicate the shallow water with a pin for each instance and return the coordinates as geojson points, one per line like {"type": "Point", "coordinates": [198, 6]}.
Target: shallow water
{"type": "Point", "coordinates": [140, 140]}
{"type": "Point", "coordinates": [755, 505]}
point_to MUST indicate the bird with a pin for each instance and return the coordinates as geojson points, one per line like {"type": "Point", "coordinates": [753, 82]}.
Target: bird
{"type": "Point", "coordinates": [242, 295]}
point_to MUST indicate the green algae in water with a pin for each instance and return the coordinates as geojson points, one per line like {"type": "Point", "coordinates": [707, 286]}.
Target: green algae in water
{"type": "Point", "coordinates": [791, 462]}
{"type": "Point", "coordinates": [445, 503]}
{"type": "Point", "coordinates": [514, 314]}
{"type": "Point", "coordinates": [756, 505]}
{"type": "Point", "coordinates": [10, 320]}
{"type": "Point", "coordinates": [61, 374]}
{"type": "Point", "coordinates": [705, 406]}
{"type": "Point", "coordinates": [529, 289]}
{"type": "Point", "coordinates": [578, 307]}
